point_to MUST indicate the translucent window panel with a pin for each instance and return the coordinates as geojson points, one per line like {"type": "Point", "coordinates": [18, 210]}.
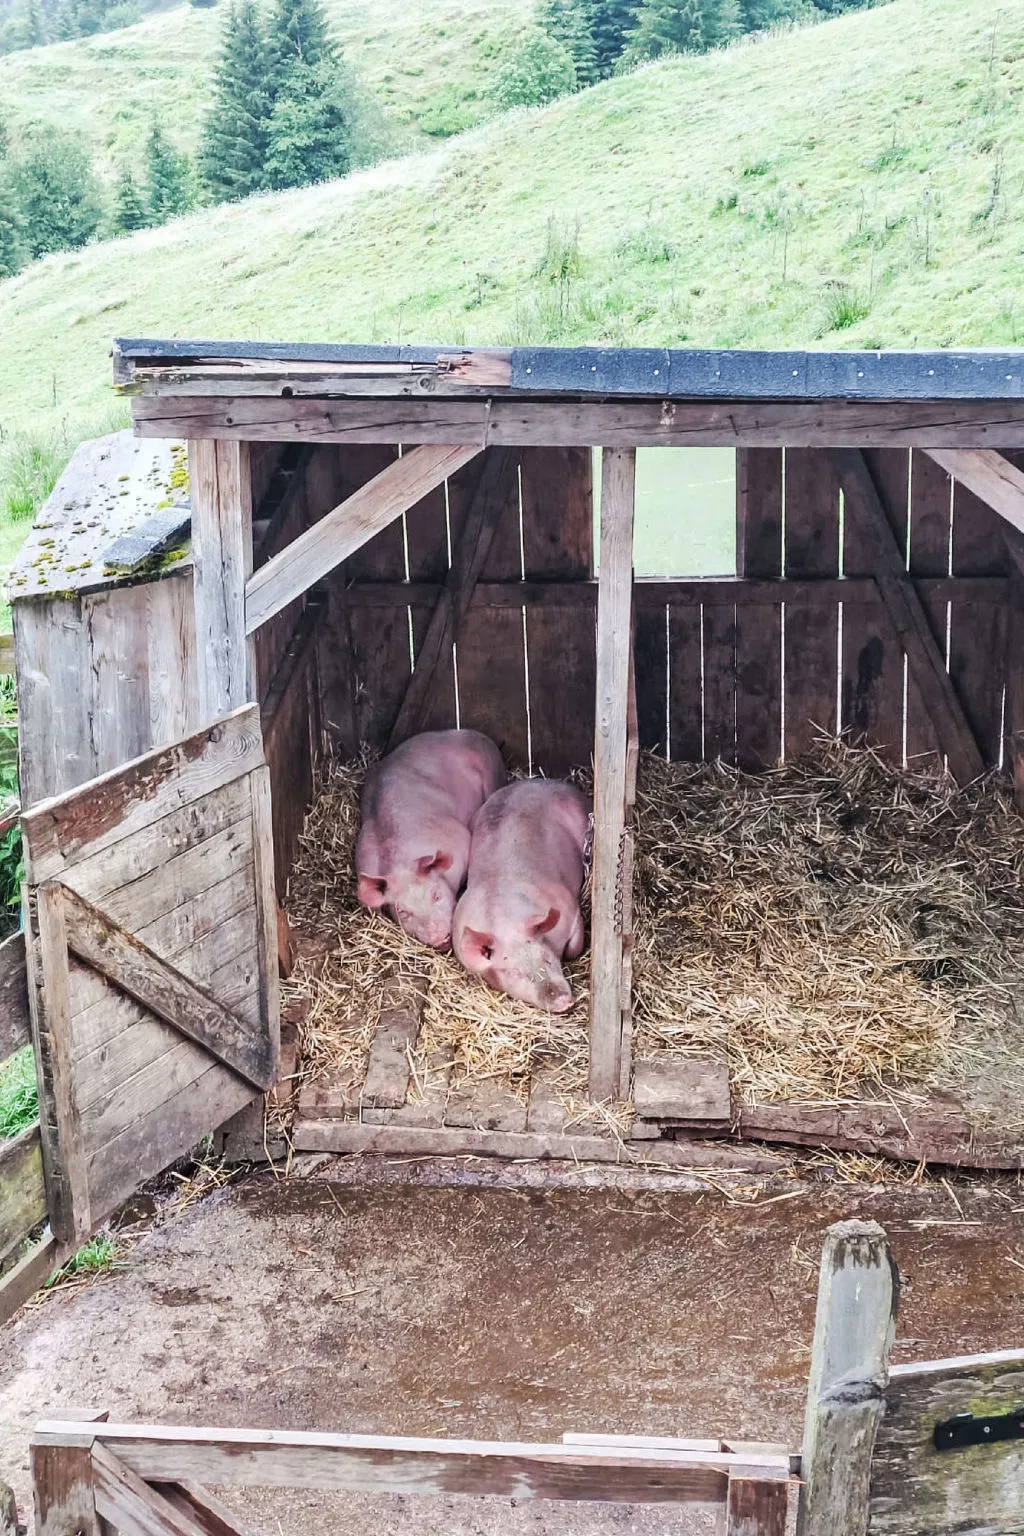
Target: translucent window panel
{"type": "Point", "coordinates": [685, 512]}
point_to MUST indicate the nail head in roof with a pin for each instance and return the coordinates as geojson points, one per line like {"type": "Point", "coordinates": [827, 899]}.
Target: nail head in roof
{"type": "Point", "coordinates": [656, 372]}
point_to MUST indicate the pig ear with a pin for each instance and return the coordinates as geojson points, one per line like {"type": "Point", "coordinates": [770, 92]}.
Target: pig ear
{"type": "Point", "coordinates": [372, 890]}
{"type": "Point", "coordinates": [541, 925]}
{"type": "Point", "coordinates": [440, 861]}
{"type": "Point", "coordinates": [480, 945]}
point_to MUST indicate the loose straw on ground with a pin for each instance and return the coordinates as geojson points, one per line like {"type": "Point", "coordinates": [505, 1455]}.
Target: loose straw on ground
{"type": "Point", "coordinates": [835, 930]}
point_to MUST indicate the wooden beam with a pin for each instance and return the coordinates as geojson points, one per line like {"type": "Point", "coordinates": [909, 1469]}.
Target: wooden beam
{"type": "Point", "coordinates": [347, 528]}
{"type": "Point", "coordinates": [614, 653]}
{"type": "Point", "coordinates": [755, 1507]}
{"type": "Point", "coordinates": [350, 1136]}
{"type": "Point", "coordinates": [913, 1489]}
{"type": "Point", "coordinates": [129, 1504]}
{"type": "Point", "coordinates": [221, 492]}
{"type": "Point", "coordinates": [22, 1191]}
{"type": "Point", "coordinates": [15, 1024]}
{"type": "Point", "coordinates": [855, 1323]}
{"type": "Point", "coordinates": [63, 1490]}
{"type": "Point", "coordinates": [372, 1463]}
{"type": "Point", "coordinates": [211, 1516]}
{"type": "Point", "coordinates": [165, 991]}
{"type": "Point", "coordinates": [64, 1160]}
{"type": "Point", "coordinates": [904, 609]}
{"type": "Point", "coordinates": [611, 424]}
{"type": "Point", "coordinates": [31, 1272]}
{"type": "Point", "coordinates": [991, 477]}
{"type": "Point", "coordinates": [648, 596]}
{"type": "Point", "coordinates": [456, 592]}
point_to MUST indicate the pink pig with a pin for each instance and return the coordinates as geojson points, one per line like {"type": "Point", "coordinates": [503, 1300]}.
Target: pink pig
{"type": "Point", "coordinates": [520, 911]}
{"type": "Point", "coordinates": [413, 847]}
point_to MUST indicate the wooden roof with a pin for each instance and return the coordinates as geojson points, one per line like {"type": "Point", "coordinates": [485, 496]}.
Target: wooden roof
{"type": "Point", "coordinates": [279, 368]}
{"type": "Point", "coordinates": [111, 486]}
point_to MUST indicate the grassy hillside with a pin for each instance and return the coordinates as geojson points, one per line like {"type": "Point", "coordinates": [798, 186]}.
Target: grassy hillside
{"type": "Point", "coordinates": [854, 184]}
{"type": "Point", "coordinates": [108, 88]}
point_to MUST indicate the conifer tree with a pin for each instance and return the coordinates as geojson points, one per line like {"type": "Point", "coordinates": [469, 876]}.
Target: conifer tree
{"type": "Point", "coordinates": [233, 148]}
{"type": "Point", "coordinates": [723, 21]}
{"type": "Point", "coordinates": [12, 244]}
{"type": "Point", "coordinates": [309, 130]}
{"type": "Point", "coordinates": [129, 212]}
{"type": "Point", "coordinates": [666, 27]}
{"type": "Point", "coordinates": [297, 38]}
{"type": "Point", "coordinates": [611, 22]}
{"type": "Point", "coordinates": [55, 191]}
{"type": "Point", "coordinates": [570, 22]}
{"type": "Point", "coordinates": [167, 189]}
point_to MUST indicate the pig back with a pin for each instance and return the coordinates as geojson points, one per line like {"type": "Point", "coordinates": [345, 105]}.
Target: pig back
{"type": "Point", "coordinates": [532, 831]}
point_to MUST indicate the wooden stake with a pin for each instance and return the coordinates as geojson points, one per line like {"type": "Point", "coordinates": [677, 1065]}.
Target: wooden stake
{"type": "Point", "coordinates": [221, 485]}
{"type": "Point", "coordinates": [63, 1489]}
{"type": "Point", "coordinates": [855, 1322]}
{"type": "Point", "coordinates": [614, 646]}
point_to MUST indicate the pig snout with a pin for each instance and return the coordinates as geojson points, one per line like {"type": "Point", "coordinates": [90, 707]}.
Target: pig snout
{"type": "Point", "coordinates": [555, 996]}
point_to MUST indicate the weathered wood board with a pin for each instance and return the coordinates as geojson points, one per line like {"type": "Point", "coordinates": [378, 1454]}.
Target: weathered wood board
{"type": "Point", "coordinates": [151, 900]}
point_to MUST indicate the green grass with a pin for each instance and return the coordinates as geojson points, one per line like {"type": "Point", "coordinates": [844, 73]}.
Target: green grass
{"type": "Point", "coordinates": [429, 67]}
{"type": "Point", "coordinates": [95, 1257]}
{"type": "Point", "coordinates": [457, 245]}
{"type": "Point", "coordinates": [19, 1098]}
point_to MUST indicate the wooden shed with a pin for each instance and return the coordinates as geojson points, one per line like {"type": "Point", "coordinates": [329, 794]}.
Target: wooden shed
{"type": "Point", "coordinates": [388, 539]}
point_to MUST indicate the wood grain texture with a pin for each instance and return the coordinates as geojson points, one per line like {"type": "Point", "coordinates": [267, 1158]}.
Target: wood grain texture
{"type": "Point", "coordinates": [755, 1507]}
{"type": "Point", "coordinates": [15, 1023]}
{"type": "Point", "coordinates": [908, 617]}
{"type": "Point", "coordinates": [126, 1502]}
{"type": "Point", "coordinates": [994, 479]}
{"type": "Point", "coordinates": [165, 991]}
{"type": "Point", "coordinates": [22, 1281]}
{"type": "Point", "coordinates": [682, 1090]}
{"type": "Point", "coordinates": [388, 1067]}
{"type": "Point", "coordinates": [211, 1516]}
{"type": "Point", "coordinates": [63, 1490]}
{"type": "Point", "coordinates": [759, 512]}
{"type": "Point", "coordinates": [614, 648]}
{"type": "Point", "coordinates": [369, 1463]}
{"type": "Point", "coordinates": [975, 1489]}
{"type": "Point", "coordinates": [64, 1154]}
{"type": "Point", "coordinates": [22, 1191]}
{"type": "Point", "coordinates": [855, 1323]}
{"type": "Point", "coordinates": [328, 1135]}
{"type": "Point", "coordinates": [221, 494]}
{"type": "Point", "coordinates": [612, 424]}
{"type": "Point", "coordinates": [811, 632]}
{"type": "Point", "coordinates": [127, 800]}
{"type": "Point", "coordinates": [936, 1134]}
{"type": "Point", "coordinates": [486, 1105]}
{"type": "Point", "coordinates": [871, 705]}
{"type": "Point", "coordinates": [347, 527]}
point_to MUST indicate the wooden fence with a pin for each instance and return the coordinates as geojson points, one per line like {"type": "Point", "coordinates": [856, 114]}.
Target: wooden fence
{"type": "Point", "coordinates": [919, 1450]}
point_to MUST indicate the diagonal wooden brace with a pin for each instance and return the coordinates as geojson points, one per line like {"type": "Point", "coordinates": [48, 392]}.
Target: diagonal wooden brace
{"type": "Point", "coordinates": [348, 527]}
{"type": "Point", "coordinates": [904, 609]}
{"type": "Point", "coordinates": [164, 990]}
{"type": "Point", "coordinates": [456, 595]}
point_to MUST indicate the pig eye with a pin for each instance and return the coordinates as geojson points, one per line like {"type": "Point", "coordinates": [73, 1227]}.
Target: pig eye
{"type": "Point", "coordinates": [486, 951]}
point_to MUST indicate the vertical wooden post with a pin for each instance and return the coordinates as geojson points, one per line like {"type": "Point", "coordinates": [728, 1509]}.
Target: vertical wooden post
{"type": "Point", "coordinates": [1015, 666]}
{"type": "Point", "coordinates": [858, 1295]}
{"type": "Point", "coordinates": [756, 1507]}
{"type": "Point", "coordinates": [612, 837]}
{"type": "Point", "coordinates": [63, 1491]}
{"type": "Point", "coordinates": [221, 487]}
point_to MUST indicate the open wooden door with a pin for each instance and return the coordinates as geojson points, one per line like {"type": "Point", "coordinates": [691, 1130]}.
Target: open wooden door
{"type": "Point", "coordinates": [152, 958]}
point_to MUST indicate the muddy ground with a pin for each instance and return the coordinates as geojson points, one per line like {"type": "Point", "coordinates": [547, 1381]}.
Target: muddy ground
{"type": "Point", "coordinates": [491, 1312]}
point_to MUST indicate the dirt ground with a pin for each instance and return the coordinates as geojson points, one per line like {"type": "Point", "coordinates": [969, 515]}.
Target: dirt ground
{"type": "Point", "coordinates": [371, 1299]}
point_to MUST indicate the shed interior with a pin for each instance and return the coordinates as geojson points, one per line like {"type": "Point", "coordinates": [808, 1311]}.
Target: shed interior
{"type": "Point", "coordinates": [876, 602]}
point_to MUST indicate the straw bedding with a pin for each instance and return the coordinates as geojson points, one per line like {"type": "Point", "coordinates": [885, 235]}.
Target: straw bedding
{"type": "Point", "coordinates": [836, 930]}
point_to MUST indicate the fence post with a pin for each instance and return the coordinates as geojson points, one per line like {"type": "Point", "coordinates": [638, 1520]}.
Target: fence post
{"type": "Point", "coordinates": [858, 1294]}
{"type": "Point", "coordinates": [63, 1490]}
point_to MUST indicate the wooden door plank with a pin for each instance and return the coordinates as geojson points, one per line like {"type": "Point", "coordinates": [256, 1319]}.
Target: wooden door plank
{"type": "Point", "coordinates": [347, 527]}
{"type": "Point", "coordinates": [992, 477]}
{"type": "Point", "coordinates": [15, 1023]}
{"type": "Point", "coordinates": [758, 687]}
{"type": "Point", "coordinates": [64, 1165]}
{"type": "Point", "coordinates": [221, 493]}
{"type": "Point", "coordinates": [164, 990]}
{"type": "Point", "coordinates": [115, 805]}
{"type": "Point", "coordinates": [904, 607]}
{"type": "Point", "coordinates": [614, 645]}
{"type": "Point", "coordinates": [468, 558]}
{"type": "Point", "coordinates": [719, 669]}
{"type": "Point", "coordinates": [685, 684]}
{"type": "Point", "coordinates": [871, 705]}
{"type": "Point", "coordinates": [855, 1323]}
{"type": "Point", "coordinates": [22, 1191]}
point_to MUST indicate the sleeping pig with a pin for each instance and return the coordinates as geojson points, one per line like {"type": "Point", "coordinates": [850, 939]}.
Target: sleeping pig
{"type": "Point", "coordinates": [520, 911]}
{"type": "Point", "coordinates": [413, 846]}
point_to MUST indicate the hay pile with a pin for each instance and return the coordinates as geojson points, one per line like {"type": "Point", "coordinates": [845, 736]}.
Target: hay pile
{"type": "Point", "coordinates": [835, 930]}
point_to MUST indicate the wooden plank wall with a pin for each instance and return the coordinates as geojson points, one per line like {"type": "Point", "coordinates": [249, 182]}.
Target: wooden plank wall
{"type": "Point", "coordinates": [752, 682]}
{"type": "Point", "coordinates": [541, 716]}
